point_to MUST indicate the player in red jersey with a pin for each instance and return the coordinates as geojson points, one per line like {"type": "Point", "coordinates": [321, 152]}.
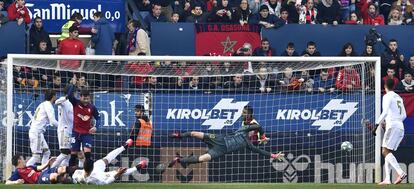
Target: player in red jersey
{"type": "Point", "coordinates": [83, 113]}
{"type": "Point", "coordinates": [72, 46]}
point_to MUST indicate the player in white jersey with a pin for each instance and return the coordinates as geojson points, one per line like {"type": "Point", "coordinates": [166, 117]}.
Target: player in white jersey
{"type": "Point", "coordinates": [64, 131]}
{"type": "Point", "coordinates": [393, 111]}
{"type": "Point", "coordinates": [94, 172]}
{"type": "Point", "coordinates": [44, 115]}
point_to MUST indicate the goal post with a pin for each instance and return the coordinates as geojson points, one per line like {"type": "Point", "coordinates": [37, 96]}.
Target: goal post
{"type": "Point", "coordinates": [305, 123]}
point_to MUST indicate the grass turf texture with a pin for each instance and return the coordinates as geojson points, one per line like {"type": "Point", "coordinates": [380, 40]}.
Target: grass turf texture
{"type": "Point", "coordinates": [215, 186]}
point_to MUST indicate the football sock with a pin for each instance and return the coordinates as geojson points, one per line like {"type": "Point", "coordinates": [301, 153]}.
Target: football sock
{"type": "Point", "coordinates": [393, 162]}
{"type": "Point", "coordinates": [112, 155]}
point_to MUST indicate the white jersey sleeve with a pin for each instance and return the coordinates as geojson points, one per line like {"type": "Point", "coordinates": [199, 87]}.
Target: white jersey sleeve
{"type": "Point", "coordinates": [65, 113]}
{"type": "Point", "coordinates": [44, 115]}
{"type": "Point", "coordinates": [393, 110]}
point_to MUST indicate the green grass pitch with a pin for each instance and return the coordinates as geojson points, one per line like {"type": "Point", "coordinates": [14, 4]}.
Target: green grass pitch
{"type": "Point", "coordinates": [215, 186]}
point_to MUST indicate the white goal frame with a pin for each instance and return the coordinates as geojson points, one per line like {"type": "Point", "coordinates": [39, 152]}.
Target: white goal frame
{"type": "Point", "coordinates": [12, 57]}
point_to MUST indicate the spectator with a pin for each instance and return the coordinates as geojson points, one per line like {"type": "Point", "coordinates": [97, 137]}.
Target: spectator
{"type": "Point", "coordinates": [369, 50]}
{"type": "Point", "coordinates": [152, 84]}
{"type": "Point", "coordinates": [354, 19]}
{"type": "Point", "coordinates": [348, 50]}
{"type": "Point", "coordinates": [410, 66]}
{"type": "Point", "coordinates": [370, 13]}
{"type": "Point", "coordinates": [82, 83]}
{"type": "Point", "coordinates": [221, 14]}
{"type": "Point", "coordinates": [385, 7]}
{"type": "Point", "coordinates": [104, 37]}
{"type": "Point", "coordinates": [242, 13]}
{"type": "Point", "coordinates": [264, 49]}
{"type": "Point", "coordinates": [404, 6]}
{"type": "Point", "coordinates": [290, 50]}
{"type": "Point", "coordinates": [284, 16]}
{"type": "Point", "coordinates": [262, 81]}
{"type": "Point", "coordinates": [390, 75]}
{"type": "Point", "coordinates": [236, 84]}
{"type": "Point", "coordinates": [392, 58]}
{"type": "Point", "coordinates": [370, 78]}
{"type": "Point", "coordinates": [407, 84]}
{"type": "Point", "coordinates": [346, 6]}
{"type": "Point", "coordinates": [137, 39]}
{"type": "Point", "coordinates": [264, 19]}
{"type": "Point", "coordinates": [306, 82]}
{"type": "Point", "coordinates": [289, 81]}
{"type": "Point", "coordinates": [183, 7]}
{"type": "Point", "coordinates": [197, 15]}
{"type": "Point", "coordinates": [155, 16]}
{"type": "Point", "coordinates": [3, 19]}
{"type": "Point", "coordinates": [184, 69]}
{"type": "Point", "coordinates": [140, 68]}
{"type": "Point", "coordinates": [72, 46]}
{"type": "Point", "coordinates": [409, 19]}
{"type": "Point", "coordinates": [144, 5]}
{"type": "Point", "coordinates": [395, 17]}
{"type": "Point", "coordinates": [323, 83]}
{"type": "Point", "coordinates": [56, 82]}
{"type": "Point", "coordinates": [308, 13]}
{"type": "Point", "coordinates": [328, 12]}
{"type": "Point", "coordinates": [254, 5]}
{"type": "Point", "coordinates": [290, 6]}
{"type": "Point", "coordinates": [43, 48]}
{"type": "Point", "coordinates": [311, 50]}
{"type": "Point", "coordinates": [166, 7]}
{"type": "Point", "coordinates": [348, 79]}
{"type": "Point", "coordinates": [194, 84]}
{"type": "Point", "coordinates": [37, 34]}
{"type": "Point", "coordinates": [18, 11]}
{"type": "Point", "coordinates": [274, 7]}
{"type": "Point", "coordinates": [175, 17]}
{"type": "Point", "coordinates": [75, 20]}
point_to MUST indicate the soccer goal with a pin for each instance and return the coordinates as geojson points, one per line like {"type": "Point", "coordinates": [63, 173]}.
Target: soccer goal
{"type": "Point", "coordinates": [308, 107]}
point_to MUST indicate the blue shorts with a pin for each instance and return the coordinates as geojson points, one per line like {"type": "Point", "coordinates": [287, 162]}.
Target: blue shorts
{"type": "Point", "coordinates": [44, 178]}
{"type": "Point", "coordinates": [78, 139]}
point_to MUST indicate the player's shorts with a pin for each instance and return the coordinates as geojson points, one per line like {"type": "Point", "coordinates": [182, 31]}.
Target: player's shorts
{"type": "Point", "coordinates": [37, 142]}
{"type": "Point", "coordinates": [78, 139]}
{"type": "Point", "coordinates": [216, 145]}
{"type": "Point", "coordinates": [99, 166]}
{"type": "Point", "coordinates": [44, 178]}
{"type": "Point", "coordinates": [392, 138]}
{"type": "Point", "coordinates": [64, 138]}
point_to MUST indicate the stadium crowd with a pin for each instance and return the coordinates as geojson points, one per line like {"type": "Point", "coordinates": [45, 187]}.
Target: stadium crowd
{"type": "Point", "coordinates": [268, 14]}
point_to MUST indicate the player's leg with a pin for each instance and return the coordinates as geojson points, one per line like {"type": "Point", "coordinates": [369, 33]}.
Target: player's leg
{"type": "Point", "coordinates": [45, 150]}
{"type": "Point", "coordinates": [81, 157]}
{"type": "Point", "coordinates": [35, 147]}
{"type": "Point", "coordinates": [392, 139]}
{"type": "Point", "coordinates": [64, 146]}
{"type": "Point", "coordinates": [87, 146]}
{"type": "Point", "coordinates": [141, 165]}
{"type": "Point", "coordinates": [114, 153]}
{"type": "Point", "coordinates": [75, 149]}
{"type": "Point", "coordinates": [193, 134]}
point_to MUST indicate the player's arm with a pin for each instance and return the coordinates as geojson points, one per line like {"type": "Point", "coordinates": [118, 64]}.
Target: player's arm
{"type": "Point", "coordinates": [14, 179]}
{"type": "Point", "coordinates": [71, 94]}
{"type": "Point", "coordinates": [50, 111]}
{"type": "Point", "coordinates": [97, 117]}
{"type": "Point", "coordinates": [385, 107]}
{"type": "Point", "coordinates": [46, 165]}
{"type": "Point", "coordinates": [60, 100]}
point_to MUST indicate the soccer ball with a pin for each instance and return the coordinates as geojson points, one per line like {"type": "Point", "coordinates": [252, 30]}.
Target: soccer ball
{"type": "Point", "coordinates": [160, 169]}
{"type": "Point", "coordinates": [346, 146]}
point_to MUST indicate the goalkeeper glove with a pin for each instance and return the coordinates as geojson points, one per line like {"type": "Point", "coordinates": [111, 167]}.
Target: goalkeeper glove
{"type": "Point", "coordinates": [374, 131]}
{"type": "Point", "coordinates": [262, 139]}
{"type": "Point", "coordinates": [279, 156]}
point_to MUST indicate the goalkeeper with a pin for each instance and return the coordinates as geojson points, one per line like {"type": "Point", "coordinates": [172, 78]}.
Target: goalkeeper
{"type": "Point", "coordinates": [219, 145]}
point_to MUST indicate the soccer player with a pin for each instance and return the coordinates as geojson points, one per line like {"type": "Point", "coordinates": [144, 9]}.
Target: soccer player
{"type": "Point", "coordinates": [393, 112]}
{"type": "Point", "coordinates": [142, 130]}
{"type": "Point", "coordinates": [94, 172]}
{"type": "Point", "coordinates": [64, 131]}
{"type": "Point", "coordinates": [219, 145]}
{"type": "Point", "coordinates": [44, 115]}
{"type": "Point", "coordinates": [32, 175]}
{"type": "Point", "coordinates": [83, 111]}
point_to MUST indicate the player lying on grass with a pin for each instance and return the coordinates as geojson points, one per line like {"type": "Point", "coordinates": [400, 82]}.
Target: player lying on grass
{"type": "Point", "coordinates": [219, 145]}
{"type": "Point", "coordinates": [43, 174]}
{"type": "Point", "coordinates": [94, 172]}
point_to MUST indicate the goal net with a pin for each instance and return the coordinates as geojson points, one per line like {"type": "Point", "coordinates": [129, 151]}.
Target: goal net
{"type": "Point", "coordinates": [306, 106]}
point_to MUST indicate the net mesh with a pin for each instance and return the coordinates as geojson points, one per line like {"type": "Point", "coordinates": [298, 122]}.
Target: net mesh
{"type": "Point", "coordinates": [306, 108]}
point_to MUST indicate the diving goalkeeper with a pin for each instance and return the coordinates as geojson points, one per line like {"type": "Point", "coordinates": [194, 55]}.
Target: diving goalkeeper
{"type": "Point", "coordinates": [219, 145]}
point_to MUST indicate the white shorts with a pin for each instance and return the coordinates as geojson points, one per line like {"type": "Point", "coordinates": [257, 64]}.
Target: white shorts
{"type": "Point", "coordinates": [99, 166]}
{"type": "Point", "coordinates": [392, 138]}
{"type": "Point", "coordinates": [37, 142]}
{"type": "Point", "coordinates": [64, 138]}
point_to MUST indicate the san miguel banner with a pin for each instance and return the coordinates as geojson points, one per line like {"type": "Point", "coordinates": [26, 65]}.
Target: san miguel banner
{"type": "Point", "coordinates": [224, 39]}
{"type": "Point", "coordinates": [58, 12]}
